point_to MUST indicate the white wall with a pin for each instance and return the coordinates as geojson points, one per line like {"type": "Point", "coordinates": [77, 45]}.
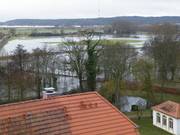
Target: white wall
{"type": "Point", "coordinates": [178, 127]}
{"type": "Point", "coordinates": [128, 101]}
{"type": "Point", "coordinates": [176, 123]}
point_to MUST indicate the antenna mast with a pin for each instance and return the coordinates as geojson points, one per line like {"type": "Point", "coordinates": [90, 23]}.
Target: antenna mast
{"type": "Point", "coordinates": [99, 9]}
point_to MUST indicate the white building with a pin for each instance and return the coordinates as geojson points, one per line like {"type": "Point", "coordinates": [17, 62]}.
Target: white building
{"type": "Point", "coordinates": [167, 117]}
{"type": "Point", "coordinates": [128, 102]}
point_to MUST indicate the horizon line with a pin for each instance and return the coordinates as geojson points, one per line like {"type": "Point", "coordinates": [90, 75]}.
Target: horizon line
{"type": "Point", "coordinates": [87, 18]}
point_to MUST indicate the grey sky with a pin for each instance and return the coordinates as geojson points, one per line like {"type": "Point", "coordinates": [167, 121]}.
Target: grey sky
{"type": "Point", "coordinates": [41, 9]}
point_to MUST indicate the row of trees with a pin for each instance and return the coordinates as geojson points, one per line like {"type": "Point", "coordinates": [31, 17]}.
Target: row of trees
{"type": "Point", "coordinates": [164, 49]}
{"type": "Point", "coordinates": [121, 28]}
{"type": "Point", "coordinates": [159, 64]}
{"type": "Point", "coordinates": [24, 74]}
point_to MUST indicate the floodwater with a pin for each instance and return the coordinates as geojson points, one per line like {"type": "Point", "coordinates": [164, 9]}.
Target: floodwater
{"type": "Point", "coordinates": [53, 42]}
{"type": "Point", "coordinates": [64, 83]}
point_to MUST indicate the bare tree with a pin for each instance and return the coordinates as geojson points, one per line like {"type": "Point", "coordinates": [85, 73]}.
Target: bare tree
{"type": "Point", "coordinates": [117, 62]}
{"type": "Point", "coordinates": [76, 59]}
{"type": "Point", "coordinates": [37, 69]}
{"type": "Point", "coordinates": [19, 67]}
{"type": "Point", "coordinates": [54, 66]}
{"type": "Point", "coordinates": [143, 72]}
{"type": "Point", "coordinates": [45, 61]}
{"type": "Point", "coordinates": [8, 80]}
{"type": "Point", "coordinates": [165, 32]}
{"type": "Point", "coordinates": [164, 48]}
{"type": "Point", "coordinates": [45, 64]}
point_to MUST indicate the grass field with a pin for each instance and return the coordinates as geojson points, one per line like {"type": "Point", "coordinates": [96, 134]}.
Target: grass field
{"type": "Point", "coordinates": [134, 114]}
{"type": "Point", "coordinates": [120, 41]}
{"type": "Point", "coordinates": [146, 127]}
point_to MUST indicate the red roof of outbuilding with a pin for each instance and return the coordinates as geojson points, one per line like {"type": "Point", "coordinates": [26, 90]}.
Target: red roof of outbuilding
{"type": "Point", "coordinates": [78, 114]}
{"type": "Point", "coordinates": [170, 108]}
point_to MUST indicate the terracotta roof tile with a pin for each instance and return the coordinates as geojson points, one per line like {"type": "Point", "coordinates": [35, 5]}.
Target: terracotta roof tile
{"type": "Point", "coordinates": [78, 114]}
{"type": "Point", "coordinates": [170, 108]}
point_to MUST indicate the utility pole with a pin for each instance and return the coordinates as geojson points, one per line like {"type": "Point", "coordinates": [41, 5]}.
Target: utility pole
{"type": "Point", "coordinates": [99, 9]}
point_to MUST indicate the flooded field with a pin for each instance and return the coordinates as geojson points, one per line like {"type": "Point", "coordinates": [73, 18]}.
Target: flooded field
{"type": "Point", "coordinates": [53, 42]}
{"type": "Point", "coordinates": [64, 83]}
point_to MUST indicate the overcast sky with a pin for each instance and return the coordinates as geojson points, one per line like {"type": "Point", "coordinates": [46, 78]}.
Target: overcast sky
{"type": "Point", "coordinates": [56, 9]}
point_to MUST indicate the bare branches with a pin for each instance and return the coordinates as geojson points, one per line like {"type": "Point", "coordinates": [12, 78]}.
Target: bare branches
{"type": "Point", "coordinates": [117, 60]}
{"type": "Point", "coordinates": [76, 58]}
{"type": "Point", "coordinates": [164, 48]}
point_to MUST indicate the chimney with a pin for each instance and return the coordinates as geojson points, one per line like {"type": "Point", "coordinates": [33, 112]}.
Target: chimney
{"type": "Point", "coordinates": [48, 92]}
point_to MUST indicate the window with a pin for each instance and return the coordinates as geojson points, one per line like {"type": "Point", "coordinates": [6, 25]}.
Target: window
{"type": "Point", "coordinates": [158, 118]}
{"type": "Point", "coordinates": [170, 123]}
{"type": "Point", "coordinates": [164, 121]}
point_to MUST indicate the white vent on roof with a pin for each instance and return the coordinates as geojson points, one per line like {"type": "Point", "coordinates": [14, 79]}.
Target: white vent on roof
{"type": "Point", "coordinates": [48, 92]}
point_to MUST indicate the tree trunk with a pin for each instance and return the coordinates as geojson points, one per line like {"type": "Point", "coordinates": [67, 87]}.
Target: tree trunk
{"type": "Point", "coordinates": [81, 83]}
{"type": "Point", "coordinates": [9, 92]}
{"type": "Point", "coordinates": [21, 94]}
{"type": "Point", "coordinates": [55, 82]}
{"type": "Point", "coordinates": [39, 87]}
{"type": "Point", "coordinates": [172, 74]}
{"type": "Point", "coordinates": [117, 91]}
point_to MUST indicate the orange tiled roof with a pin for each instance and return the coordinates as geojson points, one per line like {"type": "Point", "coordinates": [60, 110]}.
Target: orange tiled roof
{"type": "Point", "coordinates": [78, 114]}
{"type": "Point", "coordinates": [170, 108]}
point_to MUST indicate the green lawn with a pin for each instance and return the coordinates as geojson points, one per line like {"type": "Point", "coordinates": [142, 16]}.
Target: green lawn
{"type": "Point", "coordinates": [146, 127]}
{"type": "Point", "coordinates": [119, 41]}
{"type": "Point", "coordinates": [134, 114]}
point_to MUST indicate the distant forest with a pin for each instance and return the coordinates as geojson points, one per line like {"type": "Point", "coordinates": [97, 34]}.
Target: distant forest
{"type": "Point", "coordinates": [94, 21]}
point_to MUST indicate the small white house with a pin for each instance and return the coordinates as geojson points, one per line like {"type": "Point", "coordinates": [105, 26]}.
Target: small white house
{"type": "Point", "coordinates": [167, 117]}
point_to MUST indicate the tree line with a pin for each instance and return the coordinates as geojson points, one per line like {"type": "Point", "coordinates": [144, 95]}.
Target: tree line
{"type": "Point", "coordinates": [159, 64]}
